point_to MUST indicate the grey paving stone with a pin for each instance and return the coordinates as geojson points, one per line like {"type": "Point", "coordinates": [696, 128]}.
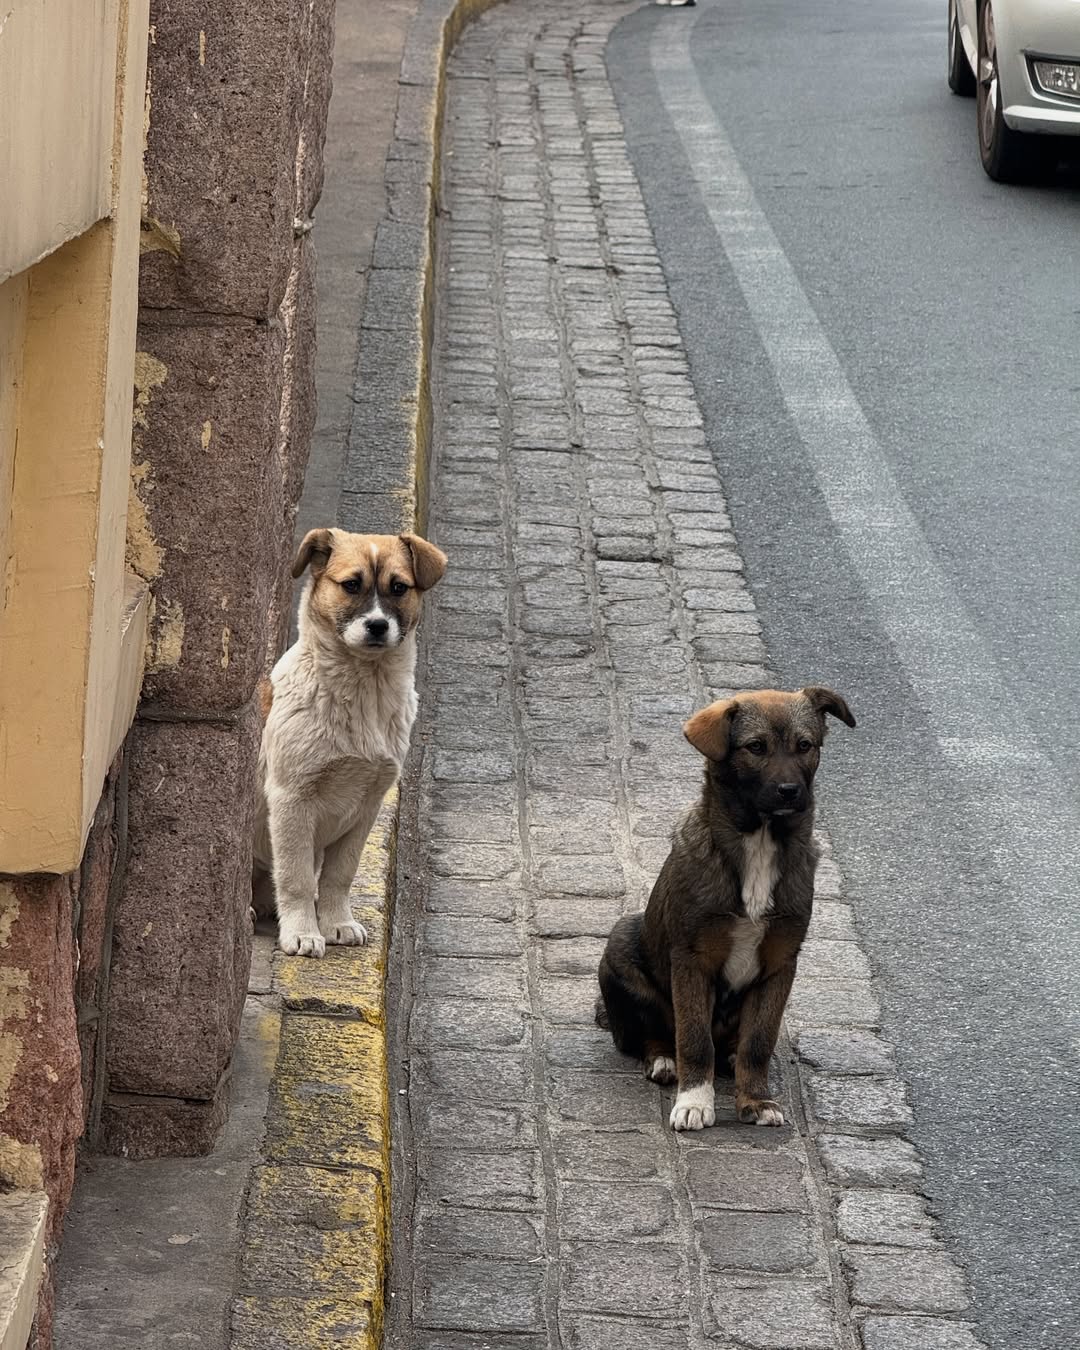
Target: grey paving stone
{"type": "Point", "coordinates": [605, 1099]}
{"type": "Point", "coordinates": [856, 1100]}
{"type": "Point", "coordinates": [512, 1179]}
{"type": "Point", "coordinates": [748, 1180]}
{"type": "Point", "coordinates": [480, 1232]}
{"type": "Point", "coordinates": [478, 1294]}
{"type": "Point", "coordinates": [604, 1211]}
{"type": "Point", "coordinates": [628, 1155]}
{"type": "Point", "coordinates": [829, 959]}
{"type": "Point", "coordinates": [469, 1124]}
{"type": "Point", "coordinates": [853, 1161]}
{"type": "Point", "coordinates": [835, 1003]}
{"type": "Point", "coordinates": [466, 1022]}
{"type": "Point", "coordinates": [646, 1279]}
{"type": "Point", "coordinates": [484, 1075]}
{"type": "Point", "coordinates": [572, 956]}
{"type": "Point", "coordinates": [451, 935]}
{"type": "Point", "coordinates": [569, 998]}
{"type": "Point", "coordinates": [891, 1218]}
{"type": "Point", "coordinates": [742, 1240]}
{"type": "Point", "coordinates": [586, 1047]}
{"type": "Point", "coordinates": [590, 1333]}
{"type": "Point", "coordinates": [770, 1314]}
{"type": "Point", "coordinates": [924, 1281]}
{"type": "Point", "coordinates": [472, 977]}
{"type": "Point", "coordinates": [470, 899]}
{"type": "Point", "coordinates": [918, 1333]}
{"type": "Point", "coordinates": [832, 919]}
{"type": "Point", "coordinates": [472, 767]}
{"type": "Point", "coordinates": [571, 916]}
{"type": "Point", "coordinates": [847, 1052]}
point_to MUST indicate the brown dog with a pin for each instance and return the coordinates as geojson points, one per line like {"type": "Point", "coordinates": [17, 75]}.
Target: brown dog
{"type": "Point", "coordinates": [708, 967]}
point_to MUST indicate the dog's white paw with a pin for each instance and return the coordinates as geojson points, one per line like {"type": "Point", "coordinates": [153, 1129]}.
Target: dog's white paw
{"type": "Point", "coordinates": [301, 943]}
{"type": "Point", "coordinates": [763, 1112]}
{"type": "Point", "coordinates": [694, 1109]}
{"type": "Point", "coordinates": [661, 1069]}
{"type": "Point", "coordinates": [349, 934]}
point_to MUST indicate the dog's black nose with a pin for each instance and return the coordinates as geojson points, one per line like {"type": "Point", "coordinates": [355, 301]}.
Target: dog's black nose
{"type": "Point", "coordinates": [787, 791]}
{"type": "Point", "coordinates": [377, 627]}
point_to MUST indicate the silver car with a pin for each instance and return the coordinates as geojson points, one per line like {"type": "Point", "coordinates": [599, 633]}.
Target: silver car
{"type": "Point", "coordinates": [1021, 60]}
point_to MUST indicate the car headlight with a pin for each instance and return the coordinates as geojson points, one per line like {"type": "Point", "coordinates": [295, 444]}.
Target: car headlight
{"type": "Point", "coordinates": [1058, 77]}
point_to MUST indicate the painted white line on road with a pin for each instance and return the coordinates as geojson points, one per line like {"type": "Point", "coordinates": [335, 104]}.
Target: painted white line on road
{"type": "Point", "coordinates": [1029, 827]}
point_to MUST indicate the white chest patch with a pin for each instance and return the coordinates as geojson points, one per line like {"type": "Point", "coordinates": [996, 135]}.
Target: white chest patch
{"type": "Point", "coordinates": [759, 877]}
{"type": "Point", "coordinates": [760, 867]}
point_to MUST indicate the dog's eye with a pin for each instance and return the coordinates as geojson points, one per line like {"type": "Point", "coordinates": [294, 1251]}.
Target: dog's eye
{"type": "Point", "coordinates": [398, 588]}
{"type": "Point", "coordinates": [353, 586]}
{"type": "Point", "coordinates": [805, 745]}
{"type": "Point", "coordinates": [755, 747]}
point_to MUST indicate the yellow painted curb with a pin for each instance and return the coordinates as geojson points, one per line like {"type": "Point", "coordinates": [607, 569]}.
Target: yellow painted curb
{"type": "Point", "coordinates": [318, 1210]}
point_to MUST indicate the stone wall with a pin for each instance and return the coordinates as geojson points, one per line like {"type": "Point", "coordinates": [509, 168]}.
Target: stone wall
{"type": "Point", "coordinates": [55, 934]}
{"type": "Point", "coordinates": [225, 404]}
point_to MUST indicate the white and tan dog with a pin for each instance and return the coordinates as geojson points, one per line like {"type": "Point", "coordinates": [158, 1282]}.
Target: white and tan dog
{"type": "Point", "coordinates": [339, 711]}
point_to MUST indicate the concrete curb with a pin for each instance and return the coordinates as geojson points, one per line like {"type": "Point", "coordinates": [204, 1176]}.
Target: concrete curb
{"type": "Point", "coordinates": [316, 1238]}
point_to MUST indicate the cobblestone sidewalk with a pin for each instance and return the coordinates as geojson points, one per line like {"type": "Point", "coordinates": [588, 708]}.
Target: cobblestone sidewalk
{"type": "Point", "coordinates": [595, 598]}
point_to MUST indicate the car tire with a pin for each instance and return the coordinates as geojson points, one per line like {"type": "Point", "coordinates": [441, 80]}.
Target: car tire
{"type": "Point", "coordinates": [961, 76]}
{"type": "Point", "coordinates": [1007, 156]}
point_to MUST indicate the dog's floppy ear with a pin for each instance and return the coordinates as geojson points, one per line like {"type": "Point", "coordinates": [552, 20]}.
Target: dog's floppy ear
{"type": "Point", "coordinates": [825, 701]}
{"type": "Point", "coordinates": [709, 730]}
{"type": "Point", "coordinates": [316, 550]}
{"type": "Point", "coordinates": [429, 562]}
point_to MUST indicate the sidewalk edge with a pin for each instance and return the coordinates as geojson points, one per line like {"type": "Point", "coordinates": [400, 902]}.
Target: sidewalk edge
{"type": "Point", "coordinates": [316, 1229]}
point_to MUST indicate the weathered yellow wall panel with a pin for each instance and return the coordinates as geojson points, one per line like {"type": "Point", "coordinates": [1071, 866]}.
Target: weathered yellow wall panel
{"type": "Point", "coordinates": [12, 334]}
{"type": "Point", "coordinates": [57, 75]}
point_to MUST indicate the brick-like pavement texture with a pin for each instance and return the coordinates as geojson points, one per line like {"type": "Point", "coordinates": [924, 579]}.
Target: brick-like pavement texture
{"type": "Point", "coordinates": [595, 598]}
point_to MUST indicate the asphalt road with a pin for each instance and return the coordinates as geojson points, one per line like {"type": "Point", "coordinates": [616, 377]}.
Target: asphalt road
{"type": "Point", "coordinates": [886, 344]}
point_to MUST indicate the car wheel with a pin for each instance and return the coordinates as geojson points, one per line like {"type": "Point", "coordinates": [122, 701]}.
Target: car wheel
{"type": "Point", "coordinates": [961, 76]}
{"type": "Point", "coordinates": [1007, 156]}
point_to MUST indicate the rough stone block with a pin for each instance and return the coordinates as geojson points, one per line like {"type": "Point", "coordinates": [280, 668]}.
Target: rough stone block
{"type": "Point", "coordinates": [211, 542]}
{"type": "Point", "coordinates": [511, 1180]}
{"type": "Point", "coordinates": [94, 930]}
{"type": "Point", "coordinates": [480, 1232]}
{"type": "Point", "coordinates": [606, 1098]}
{"type": "Point", "coordinates": [852, 1161]}
{"type": "Point", "coordinates": [923, 1281]}
{"type": "Point", "coordinates": [479, 1294]}
{"type": "Point", "coordinates": [317, 89]}
{"type": "Point", "coordinates": [845, 1052]}
{"type": "Point", "coordinates": [462, 1124]}
{"type": "Point", "coordinates": [773, 1315]}
{"type": "Point", "coordinates": [627, 1155]}
{"type": "Point", "coordinates": [590, 1333]}
{"type": "Point", "coordinates": [472, 977]}
{"type": "Point", "coordinates": [891, 1218]}
{"type": "Point", "coordinates": [740, 1240]}
{"type": "Point", "coordinates": [225, 115]}
{"type": "Point", "coordinates": [614, 1210]}
{"type": "Point", "coordinates": [746, 1181]}
{"type": "Point", "coordinates": [879, 1102]}
{"type": "Point", "coordinates": [40, 1064]}
{"type": "Point", "coordinates": [466, 1022]}
{"type": "Point", "coordinates": [646, 1279]}
{"type": "Point", "coordinates": [161, 1127]}
{"type": "Point", "coordinates": [182, 930]}
{"type": "Point", "coordinates": [918, 1333]}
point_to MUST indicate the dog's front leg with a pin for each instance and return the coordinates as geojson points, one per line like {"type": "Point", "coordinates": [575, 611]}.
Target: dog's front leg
{"type": "Point", "coordinates": [292, 840]}
{"type": "Point", "coordinates": [693, 996]}
{"type": "Point", "coordinates": [336, 922]}
{"type": "Point", "coordinates": [759, 1026]}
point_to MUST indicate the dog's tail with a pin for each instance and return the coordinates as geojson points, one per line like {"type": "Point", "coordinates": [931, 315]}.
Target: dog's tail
{"type": "Point", "coordinates": [602, 1019]}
